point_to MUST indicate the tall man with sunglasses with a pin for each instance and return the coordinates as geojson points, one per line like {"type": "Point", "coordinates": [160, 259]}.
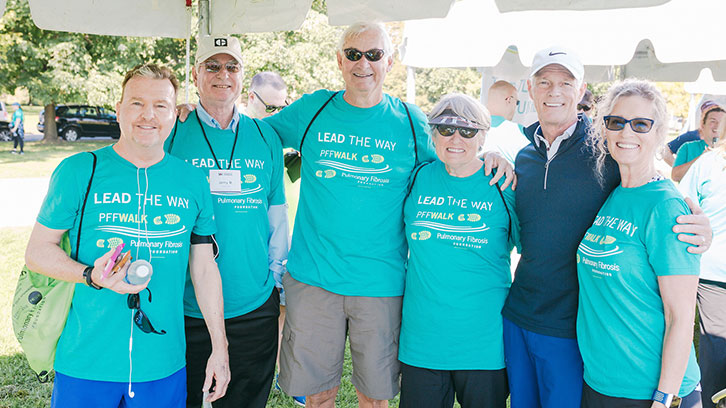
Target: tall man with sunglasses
{"type": "Point", "coordinates": [134, 194]}
{"type": "Point", "coordinates": [359, 148]}
{"type": "Point", "coordinates": [243, 160]}
{"type": "Point", "coordinates": [557, 198]}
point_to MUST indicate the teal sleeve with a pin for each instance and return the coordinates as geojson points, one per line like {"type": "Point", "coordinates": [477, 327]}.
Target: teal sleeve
{"type": "Point", "coordinates": [681, 157]}
{"type": "Point", "coordinates": [290, 123]}
{"type": "Point", "coordinates": [62, 204]}
{"type": "Point", "coordinates": [666, 253]}
{"type": "Point", "coordinates": [276, 196]}
{"type": "Point", "coordinates": [509, 198]}
{"type": "Point", "coordinates": [424, 145]}
{"type": "Point", "coordinates": [205, 223]}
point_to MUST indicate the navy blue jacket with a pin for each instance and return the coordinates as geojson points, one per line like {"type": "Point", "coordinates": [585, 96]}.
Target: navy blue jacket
{"type": "Point", "coordinates": [556, 202]}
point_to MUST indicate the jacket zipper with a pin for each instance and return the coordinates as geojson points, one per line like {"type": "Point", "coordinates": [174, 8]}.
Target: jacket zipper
{"type": "Point", "coordinates": [547, 167]}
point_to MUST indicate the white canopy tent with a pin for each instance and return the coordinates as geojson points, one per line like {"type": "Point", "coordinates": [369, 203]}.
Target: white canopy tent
{"type": "Point", "coordinates": [655, 43]}
{"type": "Point", "coordinates": [168, 18]}
{"type": "Point", "coordinates": [173, 18]}
{"type": "Point", "coordinates": [522, 5]}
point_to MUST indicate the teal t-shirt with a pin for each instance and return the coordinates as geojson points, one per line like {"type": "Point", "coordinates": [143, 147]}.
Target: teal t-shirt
{"type": "Point", "coordinates": [689, 151]}
{"type": "Point", "coordinates": [243, 225]}
{"type": "Point", "coordinates": [620, 320]}
{"type": "Point", "coordinates": [356, 164]}
{"type": "Point", "coordinates": [458, 271]}
{"type": "Point", "coordinates": [17, 115]}
{"type": "Point", "coordinates": [94, 344]}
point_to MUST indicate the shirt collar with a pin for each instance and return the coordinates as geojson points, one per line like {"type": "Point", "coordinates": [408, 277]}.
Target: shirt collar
{"type": "Point", "coordinates": [207, 119]}
{"type": "Point", "coordinates": [538, 138]}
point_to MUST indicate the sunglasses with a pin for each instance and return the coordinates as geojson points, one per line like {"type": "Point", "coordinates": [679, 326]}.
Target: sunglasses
{"type": "Point", "coordinates": [639, 125]}
{"type": "Point", "coordinates": [371, 55]}
{"type": "Point", "coordinates": [449, 130]}
{"type": "Point", "coordinates": [583, 108]}
{"type": "Point", "coordinates": [511, 97]}
{"type": "Point", "coordinates": [232, 67]}
{"type": "Point", "coordinates": [269, 108]}
{"type": "Point", "coordinates": [133, 301]}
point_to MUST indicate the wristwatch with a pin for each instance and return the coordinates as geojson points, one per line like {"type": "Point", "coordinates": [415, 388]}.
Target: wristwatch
{"type": "Point", "coordinates": [663, 397]}
{"type": "Point", "coordinates": [89, 280]}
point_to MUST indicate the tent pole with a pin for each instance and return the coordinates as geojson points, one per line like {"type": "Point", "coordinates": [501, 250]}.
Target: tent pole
{"type": "Point", "coordinates": [204, 23]}
{"type": "Point", "coordinates": [410, 85]}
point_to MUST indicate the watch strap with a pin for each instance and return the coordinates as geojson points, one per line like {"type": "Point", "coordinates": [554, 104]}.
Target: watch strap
{"type": "Point", "coordinates": [89, 279]}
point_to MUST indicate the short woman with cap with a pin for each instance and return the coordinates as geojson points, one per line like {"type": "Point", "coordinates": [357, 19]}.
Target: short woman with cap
{"type": "Point", "coordinates": [460, 229]}
{"type": "Point", "coordinates": [705, 184]}
{"type": "Point", "coordinates": [637, 280]}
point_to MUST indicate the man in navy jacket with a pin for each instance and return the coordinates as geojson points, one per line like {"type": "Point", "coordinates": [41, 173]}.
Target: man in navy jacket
{"type": "Point", "coordinates": [557, 198]}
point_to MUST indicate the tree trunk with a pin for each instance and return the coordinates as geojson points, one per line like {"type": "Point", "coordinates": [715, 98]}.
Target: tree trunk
{"type": "Point", "coordinates": [50, 132]}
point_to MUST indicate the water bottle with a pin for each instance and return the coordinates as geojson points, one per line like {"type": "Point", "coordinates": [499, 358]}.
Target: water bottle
{"type": "Point", "coordinates": [139, 272]}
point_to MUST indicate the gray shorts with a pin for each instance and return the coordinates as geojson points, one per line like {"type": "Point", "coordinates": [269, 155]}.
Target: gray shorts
{"type": "Point", "coordinates": [313, 341]}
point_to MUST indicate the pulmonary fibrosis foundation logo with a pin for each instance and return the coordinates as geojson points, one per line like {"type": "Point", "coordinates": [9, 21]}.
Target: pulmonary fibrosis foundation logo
{"type": "Point", "coordinates": [599, 253]}
{"type": "Point", "coordinates": [135, 232]}
{"type": "Point", "coordinates": [450, 228]}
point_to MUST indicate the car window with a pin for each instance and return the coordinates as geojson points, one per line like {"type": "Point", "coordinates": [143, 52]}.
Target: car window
{"type": "Point", "coordinates": [91, 111]}
{"type": "Point", "coordinates": [71, 111]}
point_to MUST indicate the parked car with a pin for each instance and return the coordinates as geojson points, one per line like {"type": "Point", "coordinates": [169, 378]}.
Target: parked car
{"type": "Point", "coordinates": [5, 134]}
{"type": "Point", "coordinates": [76, 121]}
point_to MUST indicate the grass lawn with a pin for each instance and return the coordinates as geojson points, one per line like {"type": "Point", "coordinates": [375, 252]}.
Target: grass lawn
{"type": "Point", "coordinates": [40, 159]}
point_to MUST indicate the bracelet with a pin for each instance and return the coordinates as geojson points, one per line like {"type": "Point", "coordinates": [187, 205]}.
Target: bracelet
{"type": "Point", "coordinates": [89, 280]}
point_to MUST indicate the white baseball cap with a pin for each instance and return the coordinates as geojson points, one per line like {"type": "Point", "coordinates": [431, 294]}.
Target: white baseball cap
{"type": "Point", "coordinates": [561, 56]}
{"type": "Point", "coordinates": [208, 46]}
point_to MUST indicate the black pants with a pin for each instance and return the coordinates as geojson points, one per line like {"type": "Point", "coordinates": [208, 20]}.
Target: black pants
{"type": "Point", "coordinates": [712, 345]}
{"type": "Point", "coordinates": [425, 388]}
{"type": "Point", "coordinates": [593, 399]}
{"type": "Point", "coordinates": [252, 351]}
{"type": "Point", "coordinates": [18, 139]}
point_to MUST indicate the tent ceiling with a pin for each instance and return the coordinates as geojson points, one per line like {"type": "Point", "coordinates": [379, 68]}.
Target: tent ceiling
{"type": "Point", "coordinates": [168, 18]}
{"type": "Point", "coordinates": [603, 38]}
{"type": "Point", "coordinates": [505, 6]}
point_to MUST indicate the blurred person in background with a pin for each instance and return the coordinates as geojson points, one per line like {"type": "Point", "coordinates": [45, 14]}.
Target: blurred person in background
{"type": "Point", "coordinates": [705, 183]}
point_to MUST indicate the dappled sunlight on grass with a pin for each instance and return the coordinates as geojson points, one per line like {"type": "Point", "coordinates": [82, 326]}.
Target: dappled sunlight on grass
{"type": "Point", "coordinates": [41, 159]}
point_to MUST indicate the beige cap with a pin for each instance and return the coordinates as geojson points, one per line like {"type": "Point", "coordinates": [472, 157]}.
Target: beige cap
{"type": "Point", "coordinates": [212, 45]}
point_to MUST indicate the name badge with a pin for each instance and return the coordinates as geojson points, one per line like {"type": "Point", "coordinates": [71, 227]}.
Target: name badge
{"type": "Point", "coordinates": [225, 181]}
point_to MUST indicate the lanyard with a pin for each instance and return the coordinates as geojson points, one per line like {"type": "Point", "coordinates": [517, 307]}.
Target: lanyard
{"type": "Point", "coordinates": [231, 155]}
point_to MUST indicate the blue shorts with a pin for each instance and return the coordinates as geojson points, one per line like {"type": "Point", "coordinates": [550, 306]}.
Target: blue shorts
{"type": "Point", "coordinates": [544, 371]}
{"type": "Point", "coordinates": [70, 392]}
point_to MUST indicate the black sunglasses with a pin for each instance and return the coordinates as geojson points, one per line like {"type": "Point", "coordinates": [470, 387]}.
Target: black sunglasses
{"type": "Point", "coordinates": [510, 97]}
{"type": "Point", "coordinates": [232, 67]}
{"type": "Point", "coordinates": [133, 301]}
{"type": "Point", "coordinates": [269, 108]}
{"type": "Point", "coordinates": [639, 125]}
{"type": "Point", "coordinates": [583, 108]}
{"type": "Point", "coordinates": [449, 130]}
{"type": "Point", "coordinates": [371, 55]}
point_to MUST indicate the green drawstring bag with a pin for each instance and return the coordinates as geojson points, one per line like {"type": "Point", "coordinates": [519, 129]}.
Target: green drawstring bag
{"type": "Point", "coordinates": [41, 305]}
{"type": "Point", "coordinates": [40, 310]}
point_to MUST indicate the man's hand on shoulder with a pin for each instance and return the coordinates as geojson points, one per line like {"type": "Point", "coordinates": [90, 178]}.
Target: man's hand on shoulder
{"type": "Point", "coordinates": [494, 160]}
{"type": "Point", "coordinates": [694, 229]}
{"type": "Point", "coordinates": [183, 110]}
